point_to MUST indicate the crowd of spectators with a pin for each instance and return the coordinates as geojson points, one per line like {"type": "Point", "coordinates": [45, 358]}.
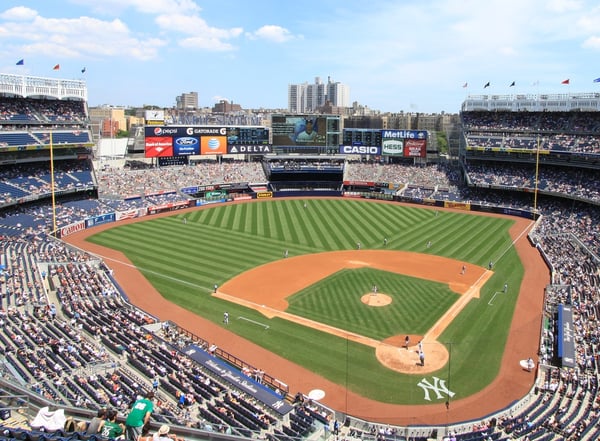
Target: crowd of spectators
{"type": "Point", "coordinates": [429, 176]}
{"type": "Point", "coordinates": [122, 183]}
{"type": "Point", "coordinates": [35, 111]}
{"type": "Point", "coordinates": [568, 234]}
{"type": "Point", "coordinates": [579, 183]}
{"type": "Point", "coordinates": [553, 131]}
{"type": "Point", "coordinates": [94, 350]}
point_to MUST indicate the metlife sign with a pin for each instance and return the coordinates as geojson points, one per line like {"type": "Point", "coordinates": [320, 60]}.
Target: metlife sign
{"type": "Point", "coordinates": [403, 134]}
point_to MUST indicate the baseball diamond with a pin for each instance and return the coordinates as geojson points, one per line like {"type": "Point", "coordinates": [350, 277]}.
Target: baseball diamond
{"type": "Point", "coordinates": [265, 288]}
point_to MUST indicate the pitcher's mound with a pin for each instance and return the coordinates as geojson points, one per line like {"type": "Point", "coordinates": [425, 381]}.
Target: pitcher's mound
{"type": "Point", "coordinates": [376, 299]}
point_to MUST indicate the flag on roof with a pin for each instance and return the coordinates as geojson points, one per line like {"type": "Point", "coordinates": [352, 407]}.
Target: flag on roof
{"type": "Point", "coordinates": [512, 84]}
{"type": "Point", "coordinates": [57, 67]}
{"type": "Point", "coordinates": [21, 62]}
{"type": "Point", "coordinates": [465, 85]}
{"type": "Point", "coordinates": [597, 80]}
{"type": "Point", "coordinates": [565, 81]}
{"type": "Point", "coordinates": [486, 85]}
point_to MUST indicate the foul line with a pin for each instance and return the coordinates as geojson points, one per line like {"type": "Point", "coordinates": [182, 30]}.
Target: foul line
{"type": "Point", "coordinates": [514, 241]}
{"type": "Point", "coordinates": [253, 321]}
{"type": "Point", "coordinates": [164, 276]}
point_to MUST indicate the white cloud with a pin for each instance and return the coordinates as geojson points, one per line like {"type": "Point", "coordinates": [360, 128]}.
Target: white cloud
{"type": "Point", "coordinates": [199, 34]}
{"type": "Point", "coordinates": [592, 43]}
{"type": "Point", "coordinates": [273, 33]}
{"type": "Point", "coordinates": [561, 6]}
{"type": "Point", "coordinates": [19, 13]}
{"type": "Point", "coordinates": [115, 7]}
{"type": "Point", "coordinates": [77, 37]}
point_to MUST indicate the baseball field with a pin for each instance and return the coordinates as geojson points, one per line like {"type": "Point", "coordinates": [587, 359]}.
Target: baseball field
{"type": "Point", "coordinates": [331, 305]}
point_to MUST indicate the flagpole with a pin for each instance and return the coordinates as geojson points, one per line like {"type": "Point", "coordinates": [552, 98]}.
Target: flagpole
{"type": "Point", "coordinates": [52, 185]}
{"type": "Point", "coordinates": [537, 167]}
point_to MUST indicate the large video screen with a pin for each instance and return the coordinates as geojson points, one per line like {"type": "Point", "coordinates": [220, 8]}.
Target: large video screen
{"type": "Point", "coordinates": [308, 130]}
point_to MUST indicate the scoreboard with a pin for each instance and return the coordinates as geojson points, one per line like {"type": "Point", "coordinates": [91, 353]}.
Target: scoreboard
{"type": "Point", "coordinates": [366, 137]}
{"type": "Point", "coordinates": [174, 141]}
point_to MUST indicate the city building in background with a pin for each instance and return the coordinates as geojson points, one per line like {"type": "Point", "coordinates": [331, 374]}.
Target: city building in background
{"type": "Point", "coordinates": [309, 98]}
{"type": "Point", "coordinates": [187, 101]}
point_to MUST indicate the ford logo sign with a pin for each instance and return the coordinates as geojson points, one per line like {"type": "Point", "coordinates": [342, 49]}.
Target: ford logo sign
{"type": "Point", "coordinates": [187, 141]}
{"type": "Point", "coordinates": [213, 143]}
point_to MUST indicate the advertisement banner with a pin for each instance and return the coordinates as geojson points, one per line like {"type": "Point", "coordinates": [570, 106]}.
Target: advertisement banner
{"type": "Point", "coordinates": [240, 381]}
{"type": "Point", "coordinates": [415, 148]}
{"type": "Point", "coordinates": [360, 150]}
{"type": "Point", "coordinates": [566, 336]}
{"type": "Point", "coordinates": [360, 183]}
{"type": "Point", "coordinates": [169, 206]}
{"type": "Point", "coordinates": [213, 145]}
{"type": "Point", "coordinates": [249, 149]}
{"type": "Point", "coordinates": [129, 214]}
{"type": "Point", "coordinates": [99, 220]}
{"type": "Point", "coordinates": [158, 146]}
{"type": "Point", "coordinates": [403, 134]}
{"type": "Point", "coordinates": [73, 228]}
{"type": "Point", "coordinates": [186, 145]}
{"type": "Point", "coordinates": [392, 147]}
{"type": "Point", "coordinates": [264, 194]}
{"type": "Point", "coordinates": [458, 205]}
{"type": "Point", "coordinates": [243, 197]}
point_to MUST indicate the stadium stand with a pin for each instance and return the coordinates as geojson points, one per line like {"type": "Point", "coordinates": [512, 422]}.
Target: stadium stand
{"type": "Point", "coordinates": [70, 339]}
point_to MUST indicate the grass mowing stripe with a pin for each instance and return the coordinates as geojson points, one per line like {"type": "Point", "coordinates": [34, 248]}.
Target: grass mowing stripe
{"type": "Point", "coordinates": [337, 237]}
{"type": "Point", "coordinates": [335, 358]}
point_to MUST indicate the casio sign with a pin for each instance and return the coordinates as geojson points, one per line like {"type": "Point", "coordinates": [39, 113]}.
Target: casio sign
{"type": "Point", "coordinates": [360, 150]}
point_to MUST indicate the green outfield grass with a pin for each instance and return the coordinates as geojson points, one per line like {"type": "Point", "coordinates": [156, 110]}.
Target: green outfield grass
{"type": "Point", "coordinates": [184, 261]}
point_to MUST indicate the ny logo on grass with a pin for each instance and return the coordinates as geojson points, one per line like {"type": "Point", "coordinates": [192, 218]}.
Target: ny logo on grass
{"type": "Point", "coordinates": [438, 386]}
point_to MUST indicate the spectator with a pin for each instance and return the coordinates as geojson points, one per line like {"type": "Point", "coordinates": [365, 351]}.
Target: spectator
{"type": "Point", "coordinates": [139, 415]}
{"type": "Point", "coordinates": [112, 429]}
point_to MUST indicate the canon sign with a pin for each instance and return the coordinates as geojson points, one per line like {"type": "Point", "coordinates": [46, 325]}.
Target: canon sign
{"type": "Point", "coordinates": [359, 150]}
{"type": "Point", "coordinates": [73, 228]}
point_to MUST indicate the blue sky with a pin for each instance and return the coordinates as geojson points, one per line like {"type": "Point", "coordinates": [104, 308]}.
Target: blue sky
{"type": "Point", "coordinates": [412, 56]}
